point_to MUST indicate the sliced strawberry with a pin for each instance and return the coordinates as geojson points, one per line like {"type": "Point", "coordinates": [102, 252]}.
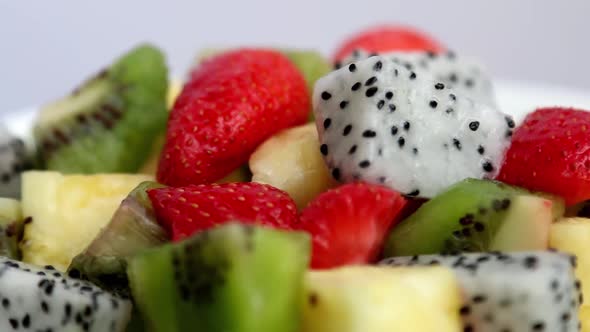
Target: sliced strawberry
{"type": "Point", "coordinates": [187, 210]}
{"type": "Point", "coordinates": [550, 152]}
{"type": "Point", "coordinates": [388, 38]}
{"type": "Point", "coordinates": [349, 224]}
{"type": "Point", "coordinates": [231, 103]}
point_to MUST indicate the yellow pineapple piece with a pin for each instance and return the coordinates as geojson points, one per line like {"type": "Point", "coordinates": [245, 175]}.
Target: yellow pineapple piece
{"type": "Point", "coordinates": [291, 161]}
{"type": "Point", "coordinates": [68, 211]}
{"type": "Point", "coordinates": [361, 299]}
{"type": "Point", "coordinates": [572, 235]}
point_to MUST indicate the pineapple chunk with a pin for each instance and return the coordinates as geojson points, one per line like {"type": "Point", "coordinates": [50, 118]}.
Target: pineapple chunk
{"type": "Point", "coordinates": [68, 211]}
{"type": "Point", "coordinates": [585, 318]}
{"type": "Point", "coordinates": [10, 210]}
{"type": "Point", "coordinates": [572, 235]}
{"type": "Point", "coordinates": [360, 299]}
{"type": "Point", "coordinates": [291, 161]}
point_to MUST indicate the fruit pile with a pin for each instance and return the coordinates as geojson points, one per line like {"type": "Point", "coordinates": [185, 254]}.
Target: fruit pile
{"type": "Point", "coordinates": [276, 190]}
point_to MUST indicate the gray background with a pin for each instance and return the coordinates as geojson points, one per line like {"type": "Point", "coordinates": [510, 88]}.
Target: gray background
{"type": "Point", "coordinates": [46, 47]}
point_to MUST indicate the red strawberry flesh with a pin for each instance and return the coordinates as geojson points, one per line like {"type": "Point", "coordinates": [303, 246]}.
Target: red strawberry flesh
{"type": "Point", "coordinates": [349, 224]}
{"type": "Point", "coordinates": [231, 103]}
{"type": "Point", "coordinates": [188, 210]}
{"type": "Point", "coordinates": [550, 152]}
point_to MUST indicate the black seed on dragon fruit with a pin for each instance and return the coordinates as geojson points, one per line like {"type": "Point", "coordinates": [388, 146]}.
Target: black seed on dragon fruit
{"type": "Point", "coordinates": [526, 291]}
{"type": "Point", "coordinates": [463, 74]}
{"type": "Point", "coordinates": [42, 299]}
{"type": "Point", "coordinates": [457, 137]}
{"type": "Point", "coordinates": [13, 160]}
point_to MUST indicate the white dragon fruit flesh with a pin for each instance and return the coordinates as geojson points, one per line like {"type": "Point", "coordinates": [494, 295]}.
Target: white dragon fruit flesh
{"type": "Point", "coordinates": [512, 292]}
{"type": "Point", "coordinates": [42, 299]}
{"type": "Point", "coordinates": [466, 75]}
{"type": "Point", "coordinates": [13, 159]}
{"type": "Point", "coordinates": [381, 123]}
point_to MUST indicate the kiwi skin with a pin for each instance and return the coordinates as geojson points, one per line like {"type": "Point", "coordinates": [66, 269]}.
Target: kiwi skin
{"type": "Point", "coordinates": [109, 124]}
{"type": "Point", "coordinates": [132, 229]}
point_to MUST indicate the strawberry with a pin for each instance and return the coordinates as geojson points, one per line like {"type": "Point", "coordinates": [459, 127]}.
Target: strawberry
{"type": "Point", "coordinates": [187, 210]}
{"type": "Point", "coordinates": [349, 224]}
{"type": "Point", "coordinates": [549, 153]}
{"type": "Point", "coordinates": [388, 38]}
{"type": "Point", "coordinates": [231, 103]}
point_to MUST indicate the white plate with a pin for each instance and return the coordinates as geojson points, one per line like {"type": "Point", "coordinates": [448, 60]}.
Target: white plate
{"type": "Point", "coordinates": [514, 98]}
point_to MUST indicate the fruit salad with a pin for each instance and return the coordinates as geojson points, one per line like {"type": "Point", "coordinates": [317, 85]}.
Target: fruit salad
{"type": "Point", "coordinates": [380, 189]}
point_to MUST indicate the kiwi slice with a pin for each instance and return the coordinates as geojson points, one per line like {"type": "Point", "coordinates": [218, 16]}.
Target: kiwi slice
{"type": "Point", "coordinates": [476, 215]}
{"type": "Point", "coordinates": [233, 277]}
{"type": "Point", "coordinates": [108, 124]}
{"type": "Point", "coordinates": [132, 229]}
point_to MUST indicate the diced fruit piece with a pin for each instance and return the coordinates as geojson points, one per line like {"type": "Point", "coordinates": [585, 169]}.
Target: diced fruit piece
{"type": "Point", "coordinates": [132, 228]}
{"type": "Point", "coordinates": [572, 235]}
{"type": "Point", "coordinates": [234, 277]}
{"type": "Point", "coordinates": [349, 224]}
{"type": "Point", "coordinates": [548, 153]}
{"type": "Point", "coordinates": [13, 160]}
{"type": "Point", "coordinates": [11, 227]}
{"type": "Point", "coordinates": [231, 104]}
{"type": "Point", "coordinates": [187, 210]}
{"type": "Point", "coordinates": [359, 299]}
{"type": "Point", "coordinates": [526, 291]}
{"type": "Point", "coordinates": [291, 161]}
{"type": "Point", "coordinates": [68, 212]}
{"type": "Point", "coordinates": [387, 38]}
{"type": "Point", "coordinates": [108, 124]}
{"type": "Point", "coordinates": [380, 122]}
{"type": "Point", "coordinates": [474, 215]}
{"type": "Point", "coordinates": [42, 299]}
